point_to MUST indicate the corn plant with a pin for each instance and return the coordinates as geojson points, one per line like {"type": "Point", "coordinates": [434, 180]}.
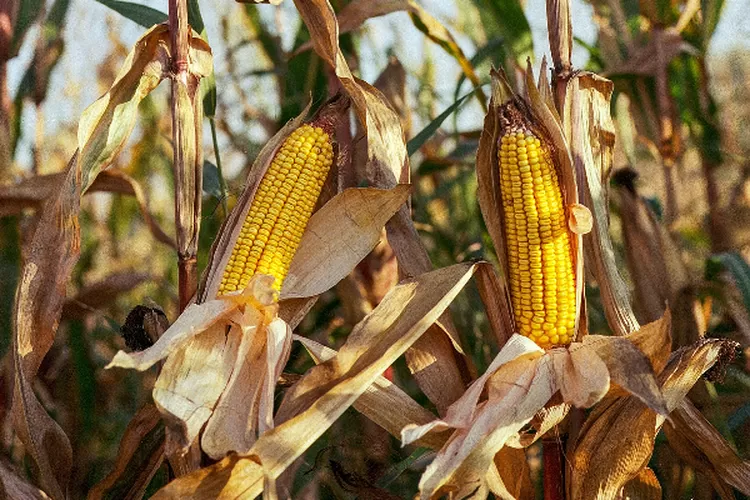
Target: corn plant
{"type": "Point", "coordinates": [297, 340]}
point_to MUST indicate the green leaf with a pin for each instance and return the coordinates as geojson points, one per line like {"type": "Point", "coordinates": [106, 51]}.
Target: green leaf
{"type": "Point", "coordinates": [195, 19]}
{"type": "Point", "coordinates": [211, 180]}
{"type": "Point", "coordinates": [506, 19]}
{"type": "Point", "coordinates": [398, 468]}
{"type": "Point", "coordinates": [432, 127]}
{"type": "Point", "coordinates": [28, 11]}
{"type": "Point", "coordinates": [140, 14]}
{"type": "Point", "coordinates": [734, 264]}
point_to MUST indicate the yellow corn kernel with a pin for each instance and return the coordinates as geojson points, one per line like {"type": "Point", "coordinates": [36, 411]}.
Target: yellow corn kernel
{"type": "Point", "coordinates": [539, 256]}
{"type": "Point", "coordinates": [281, 207]}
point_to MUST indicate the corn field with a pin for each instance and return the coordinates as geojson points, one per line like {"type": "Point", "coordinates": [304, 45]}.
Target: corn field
{"type": "Point", "coordinates": [354, 249]}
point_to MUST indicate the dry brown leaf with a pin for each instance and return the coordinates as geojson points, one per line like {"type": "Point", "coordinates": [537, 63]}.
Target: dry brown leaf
{"type": "Point", "coordinates": [355, 13]}
{"type": "Point", "coordinates": [699, 444]}
{"type": "Point", "coordinates": [645, 486]}
{"type": "Point", "coordinates": [384, 402]}
{"type": "Point", "coordinates": [32, 192]}
{"type": "Point", "coordinates": [101, 293]}
{"type": "Point", "coordinates": [617, 439]}
{"type": "Point", "coordinates": [356, 218]}
{"type": "Point", "coordinates": [12, 486]}
{"type": "Point", "coordinates": [54, 249]}
{"type": "Point", "coordinates": [392, 83]}
{"type": "Point", "coordinates": [590, 131]}
{"type": "Point", "coordinates": [327, 390]}
{"type": "Point", "coordinates": [140, 455]}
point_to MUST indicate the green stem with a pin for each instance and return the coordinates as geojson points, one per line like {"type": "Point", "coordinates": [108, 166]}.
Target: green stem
{"type": "Point", "coordinates": [222, 183]}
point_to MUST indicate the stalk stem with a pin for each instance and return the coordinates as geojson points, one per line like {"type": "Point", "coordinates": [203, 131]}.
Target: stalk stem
{"type": "Point", "coordinates": [179, 31]}
{"type": "Point", "coordinates": [552, 451]}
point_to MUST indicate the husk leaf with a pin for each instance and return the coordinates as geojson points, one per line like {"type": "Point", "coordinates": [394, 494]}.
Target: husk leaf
{"type": "Point", "coordinates": [327, 390]}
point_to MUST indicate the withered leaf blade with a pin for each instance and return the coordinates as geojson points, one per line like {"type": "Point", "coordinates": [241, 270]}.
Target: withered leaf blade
{"type": "Point", "coordinates": [338, 236]}
{"type": "Point", "coordinates": [438, 369]}
{"type": "Point", "coordinates": [32, 192]}
{"type": "Point", "coordinates": [103, 129]}
{"type": "Point", "coordinates": [140, 455]}
{"type": "Point", "coordinates": [13, 486]}
{"type": "Point", "coordinates": [591, 131]}
{"type": "Point", "coordinates": [384, 403]}
{"type": "Point", "coordinates": [699, 444]}
{"type": "Point", "coordinates": [106, 124]}
{"type": "Point", "coordinates": [617, 439]}
{"type": "Point", "coordinates": [355, 13]}
{"type": "Point", "coordinates": [327, 390]}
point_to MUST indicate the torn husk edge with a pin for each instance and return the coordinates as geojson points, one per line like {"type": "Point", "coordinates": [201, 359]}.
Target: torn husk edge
{"type": "Point", "coordinates": [545, 121]}
{"type": "Point", "coordinates": [221, 250]}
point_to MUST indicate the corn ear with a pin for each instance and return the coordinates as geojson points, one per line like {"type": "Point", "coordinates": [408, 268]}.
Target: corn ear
{"type": "Point", "coordinates": [538, 248]}
{"type": "Point", "coordinates": [281, 208]}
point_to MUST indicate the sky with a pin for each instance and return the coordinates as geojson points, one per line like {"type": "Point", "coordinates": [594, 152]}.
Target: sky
{"type": "Point", "coordinates": [86, 50]}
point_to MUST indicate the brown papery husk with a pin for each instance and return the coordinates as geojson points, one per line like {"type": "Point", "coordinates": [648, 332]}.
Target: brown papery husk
{"type": "Point", "coordinates": [617, 439]}
{"type": "Point", "coordinates": [221, 250]}
{"type": "Point", "coordinates": [589, 127]}
{"type": "Point", "coordinates": [536, 115]}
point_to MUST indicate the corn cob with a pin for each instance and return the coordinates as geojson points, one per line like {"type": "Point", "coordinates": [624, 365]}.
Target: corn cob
{"type": "Point", "coordinates": [539, 256]}
{"type": "Point", "coordinates": [281, 207]}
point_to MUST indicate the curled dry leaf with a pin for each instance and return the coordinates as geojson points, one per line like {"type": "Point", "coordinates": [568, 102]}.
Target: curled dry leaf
{"type": "Point", "coordinates": [383, 402]}
{"type": "Point", "coordinates": [591, 133]}
{"type": "Point", "coordinates": [13, 486]}
{"type": "Point", "coordinates": [617, 439]}
{"type": "Point", "coordinates": [438, 369]}
{"type": "Point", "coordinates": [54, 249]}
{"type": "Point", "coordinates": [519, 383]}
{"type": "Point", "coordinates": [699, 444]}
{"type": "Point", "coordinates": [327, 390]}
{"type": "Point", "coordinates": [101, 293]}
{"type": "Point", "coordinates": [355, 13]}
{"type": "Point", "coordinates": [140, 455]}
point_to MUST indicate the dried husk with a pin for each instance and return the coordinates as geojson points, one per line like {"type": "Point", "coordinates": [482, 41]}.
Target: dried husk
{"type": "Point", "coordinates": [590, 130]}
{"type": "Point", "coordinates": [519, 383]}
{"type": "Point", "coordinates": [617, 439]}
{"type": "Point", "coordinates": [327, 390]}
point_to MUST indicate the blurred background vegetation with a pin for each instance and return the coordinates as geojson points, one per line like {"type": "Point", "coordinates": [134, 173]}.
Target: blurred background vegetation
{"type": "Point", "coordinates": [680, 192]}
